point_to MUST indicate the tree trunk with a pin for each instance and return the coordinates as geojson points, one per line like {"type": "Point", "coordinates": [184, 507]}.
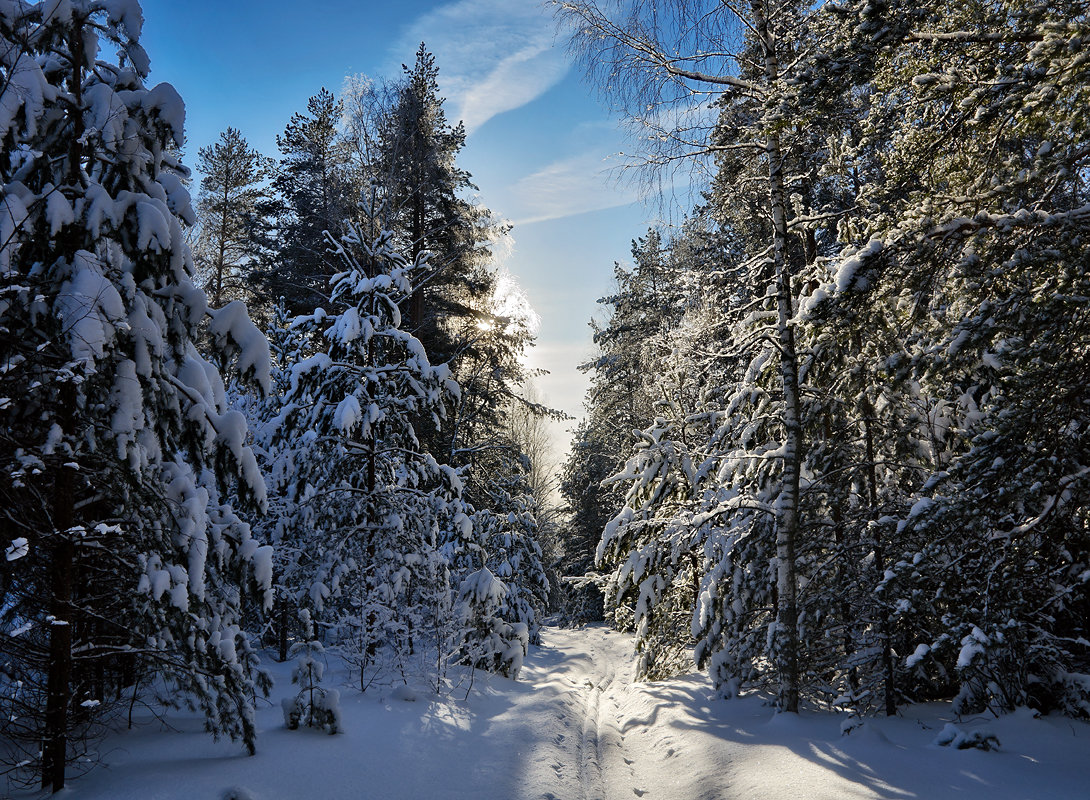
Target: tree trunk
{"type": "Point", "coordinates": [282, 625]}
{"type": "Point", "coordinates": [62, 572]}
{"type": "Point", "coordinates": [62, 568]}
{"type": "Point", "coordinates": [888, 666]}
{"type": "Point", "coordinates": [786, 648]}
{"type": "Point", "coordinates": [416, 299]}
{"type": "Point", "coordinates": [221, 256]}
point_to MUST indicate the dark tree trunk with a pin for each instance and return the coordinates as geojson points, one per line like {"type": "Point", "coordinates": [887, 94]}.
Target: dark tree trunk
{"type": "Point", "coordinates": [282, 627]}
{"type": "Point", "coordinates": [62, 568]}
{"type": "Point", "coordinates": [62, 578]}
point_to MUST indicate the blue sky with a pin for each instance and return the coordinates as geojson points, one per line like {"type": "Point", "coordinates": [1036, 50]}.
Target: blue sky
{"type": "Point", "coordinates": [540, 146]}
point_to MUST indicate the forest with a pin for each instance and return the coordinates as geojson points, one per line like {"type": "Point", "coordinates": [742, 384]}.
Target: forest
{"type": "Point", "coordinates": [835, 449]}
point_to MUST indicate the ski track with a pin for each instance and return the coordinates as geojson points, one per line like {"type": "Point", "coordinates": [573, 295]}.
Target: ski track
{"type": "Point", "coordinates": [605, 771]}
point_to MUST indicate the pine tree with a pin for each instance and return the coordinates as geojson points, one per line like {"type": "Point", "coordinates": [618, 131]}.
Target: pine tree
{"type": "Point", "coordinates": [121, 458]}
{"type": "Point", "coordinates": [288, 345]}
{"type": "Point", "coordinates": [511, 534]}
{"type": "Point", "coordinates": [647, 302]}
{"type": "Point", "coordinates": [364, 509]}
{"type": "Point", "coordinates": [408, 150]}
{"type": "Point", "coordinates": [232, 210]}
{"type": "Point", "coordinates": [751, 61]}
{"type": "Point", "coordinates": [427, 212]}
{"type": "Point", "coordinates": [641, 46]}
{"type": "Point", "coordinates": [590, 462]}
{"type": "Point", "coordinates": [901, 219]}
{"type": "Point", "coordinates": [315, 706]}
{"type": "Point", "coordinates": [317, 195]}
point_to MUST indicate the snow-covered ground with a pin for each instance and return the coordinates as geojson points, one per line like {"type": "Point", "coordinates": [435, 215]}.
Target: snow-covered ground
{"type": "Point", "coordinates": [574, 727]}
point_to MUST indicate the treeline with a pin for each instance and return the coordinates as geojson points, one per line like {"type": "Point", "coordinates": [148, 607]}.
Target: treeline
{"type": "Point", "coordinates": [842, 413]}
{"type": "Point", "coordinates": [179, 488]}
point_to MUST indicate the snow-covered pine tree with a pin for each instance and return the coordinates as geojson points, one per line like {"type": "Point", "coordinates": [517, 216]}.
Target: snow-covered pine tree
{"type": "Point", "coordinates": [647, 301]}
{"type": "Point", "coordinates": [288, 346]}
{"type": "Point", "coordinates": [590, 461]}
{"type": "Point", "coordinates": [530, 438]}
{"type": "Point", "coordinates": [315, 706]}
{"type": "Point", "coordinates": [484, 639]}
{"type": "Point", "coordinates": [363, 508]}
{"type": "Point", "coordinates": [416, 164]}
{"type": "Point", "coordinates": [650, 554]}
{"type": "Point", "coordinates": [119, 454]}
{"type": "Point", "coordinates": [461, 308]}
{"type": "Point", "coordinates": [510, 532]}
{"type": "Point", "coordinates": [668, 57]}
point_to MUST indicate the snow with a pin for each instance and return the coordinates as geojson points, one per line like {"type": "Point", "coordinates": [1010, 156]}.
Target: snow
{"type": "Point", "coordinates": [13, 213]}
{"type": "Point", "coordinates": [845, 274]}
{"type": "Point", "coordinates": [920, 507]}
{"type": "Point", "coordinates": [18, 548]}
{"type": "Point", "coordinates": [576, 727]}
{"type": "Point", "coordinates": [263, 566]}
{"type": "Point", "coordinates": [234, 330]}
{"type": "Point", "coordinates": [125, 13]}
{"type": "Point", "coordinates": [89, 306]}
{"type": "Point", "coordinates": [917, 656]}
{"type": "Point", "coordinates": [58, 211]}
{"type": "Point", "coordinates": [107, 115]}
{"type": "Point", "coordinates": [347, 328]}
{"type": "Point", "coordinates": [167, 103]}
{"type": "Point", "coordinates": [153, 227]}
{"type": "Point", "coordinates": [177, 197]}
{"type": "Point", "coordinates": [953, 736]}
{"type": "Point", "coordinates": [972, 646]}
{"type": "Point", "coordinates": [348, 413]}
{"type": "Point", "coordinates": [25, 90]}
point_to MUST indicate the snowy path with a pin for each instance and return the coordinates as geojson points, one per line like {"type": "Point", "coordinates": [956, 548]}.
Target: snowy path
{"type": "Point", "coordinates": [596, 664]}
{"type": "Point", "coordinates": [574, 727]}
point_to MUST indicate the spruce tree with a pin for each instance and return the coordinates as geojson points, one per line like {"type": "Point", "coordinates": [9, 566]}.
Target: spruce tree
{"type": "Point", "coordinates": [409, 153]}
{"type": "Point", "coordinates": [970, 261]}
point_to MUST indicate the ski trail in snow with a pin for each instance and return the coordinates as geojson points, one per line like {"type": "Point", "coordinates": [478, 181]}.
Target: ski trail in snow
{"type": "Point", "coordinates": [593, 663]}
{"type": "Point", "coordinates": [590, 754]}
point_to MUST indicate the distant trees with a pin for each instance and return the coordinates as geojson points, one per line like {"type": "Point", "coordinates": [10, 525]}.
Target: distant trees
{"type": "Point", "coordinates": [832, 483]}
{"type": "Point", "coordinates": [644, 305]}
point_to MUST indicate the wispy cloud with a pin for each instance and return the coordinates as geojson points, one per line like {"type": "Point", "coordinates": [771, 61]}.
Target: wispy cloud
{"type": "Point", "coordinates": [493, 55]}
{"type": "Point", "coordinates": [574, 185]}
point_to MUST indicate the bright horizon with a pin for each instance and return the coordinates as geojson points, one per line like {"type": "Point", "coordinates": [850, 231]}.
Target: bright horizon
{"type": "Point", "coordinates": [542, 150]}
